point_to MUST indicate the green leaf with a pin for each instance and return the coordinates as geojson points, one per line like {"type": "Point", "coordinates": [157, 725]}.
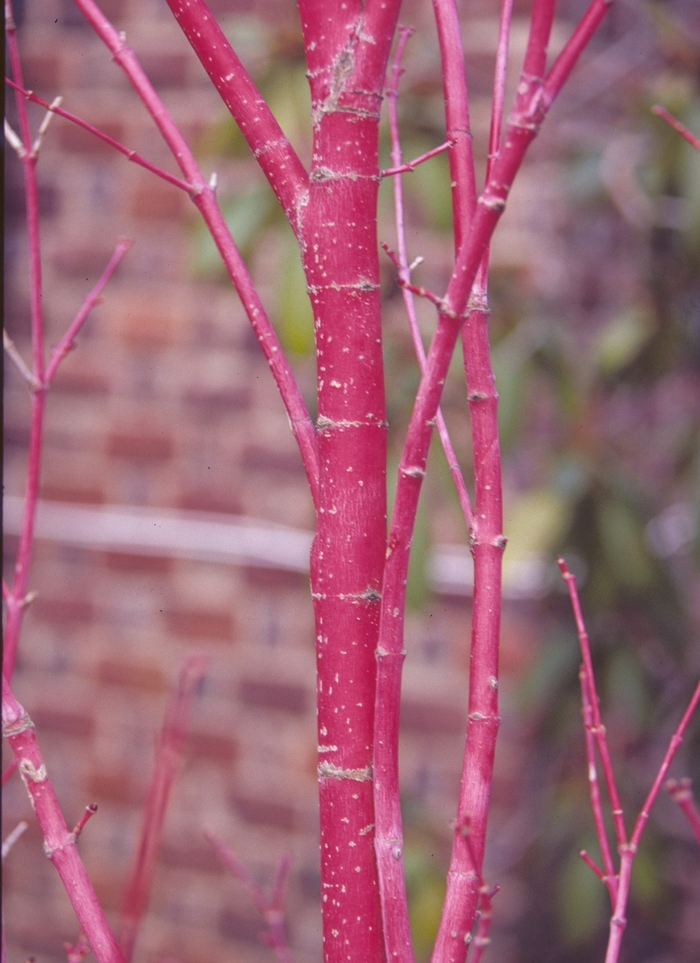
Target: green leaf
{"type": "Point", "coordinates": [581, 900]}
{"type": "Point", "coordinates": [535, 522]}
{"type": "Point", "coordinates": [294, 317]}
{"type": "Point", "coordinates": [623, 339]}
{"type": "Point", "coordinates": [622, 536]}
{"type": "Point", "coordinates": [245, 216]}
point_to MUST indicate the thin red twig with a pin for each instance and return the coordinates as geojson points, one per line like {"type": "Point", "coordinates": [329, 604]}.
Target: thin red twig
{"type": "Point", "coordinates": [12, 838]}
{"type": "Point", "coordinates": [9, 769]}
{"type": "Point", "coordinates": [619, 884]}
{"type": "Point", "coordinates": [410, 165]}
{"type": "Point", "coordinates": [203, 197]}
{"type": "Point", "coordinates": [271, 908]}
{"type": "Point", "coordinates": [485, 914]}
{"type": "Point", "coordinates": [680, 128]}
{"type": "Point", "coordinates": [59, 843]}
{"type": "Point", "coordinates": [167, 761]}
{"type": "Point", "coordinates": [90, 811]}
{"type": "Point", "coordinates": [680, 792]}
{"type": "Point", "coordinates": [67, 342]}
{"type": "Point", "coordinates": [131, 155]}
{"type": "Point", "coordinates": [77, 953]}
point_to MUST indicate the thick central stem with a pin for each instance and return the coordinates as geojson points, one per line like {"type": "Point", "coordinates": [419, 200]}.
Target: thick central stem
{"type": "Point", "coordinates": [339, 250]}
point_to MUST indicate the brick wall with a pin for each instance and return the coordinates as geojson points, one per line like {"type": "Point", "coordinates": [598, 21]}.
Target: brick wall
{"type": "Point", "coordinates": [168, 404]}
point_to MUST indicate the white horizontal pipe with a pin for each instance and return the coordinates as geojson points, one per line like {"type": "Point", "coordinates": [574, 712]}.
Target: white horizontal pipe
{"type": "Point", "coordinates": [234, 540]}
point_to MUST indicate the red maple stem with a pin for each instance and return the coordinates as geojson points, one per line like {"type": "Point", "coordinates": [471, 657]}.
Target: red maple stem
{"type": "Point", "coordinates": [346, 60]}
{"type": "Point", "coordinates": [167, 760]}
{"type": "Point", "coordinates": [59, 843]}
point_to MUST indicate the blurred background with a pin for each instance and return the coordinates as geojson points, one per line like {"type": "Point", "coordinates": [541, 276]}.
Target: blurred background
{"type": "Point", "coordinates": [165, 420]}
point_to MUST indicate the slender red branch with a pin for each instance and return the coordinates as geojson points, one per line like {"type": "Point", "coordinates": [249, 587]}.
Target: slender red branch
{"type": "Point", "coordinates": [411, 165]}
{"type": "Point", "coordinates": [167, 761]}
{"type": "Point", "coordinates": [271, 908]}
{"type": "Point", "coordinates": [19, 362]}
{"type": "Point", "coordinates": [9, 769]}
{"type": "Point", "coordinates": [592, 865]}
{"type": "Point", "coordinates": [67, 342]}
{"type": "Point", "coordinates": [673, 746]}
{"type": "Point", "coordinates": [485, 913]}
{"type": "Point", "coordinates": [457, 123]}
{"type": "Point", "coordinates": [619, 885]}
{"type": "Point", "coordinates": [499, 82]}
{"type": "Point", "coordinates": [273, 152]}
{"type": "Point", "coordinates": [90, 811]}
{"type": "Point", "coordinates": [591, 700]}
{"type": "Point", "coordinates": [131, 155]}
{"type": "Point", "coordinates": [12, 838]}
{"type": "Point", "coordinates": [680, 792]}
{"type": "Point", "coordinates": [462, 894]}
{"type": "Point", "coordinates": [15, 603]}
{"type": "Point", "coordinates": [594, 788]}
{"type": "Point", "coordinates": [680, 128]}
{"type": "Point", "coordinates": [405, 270]}
{"type": "Point", "coordinates": [78, 952]}
{"type": "Point", "coordinates": [59, 843]}
{"type": "Point", "coordinates": [203, 197]}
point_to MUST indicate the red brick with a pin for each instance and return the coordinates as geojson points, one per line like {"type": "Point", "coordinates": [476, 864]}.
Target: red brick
{"type": "Point", "coordinates": [201, 500]}
{"type": "Point", "coordinates": [77, 140]}
{"type": "Point", "coordinates": [125, 562]}
{"type": "Point", "coordinates": [161, 201]}
{"type": "Point", "coordinates": [144, 328]}
{"type": "Point", "coordinates": [73, 493]}
{"type": "Point", "coordinates": [274, 695]}
{"type": "Point", "coordinates": [277, 578]}
{"type": "Point", "coordinates": [64, 610]}
{"type": "Point", "coordinates": [238, 926]}
{"type": "Point", "coordinates": [199, 623]}
{"type": "Point", "coordinates": [117, 787]}
{"type": "Point", "coordinates": [165, 70]}
{"type": "Point", "coordinates": [79, 380]}
{"type": "Point", "coordinates": [41, 71]}
{"type": "Point", "coordinates": [140, 445]}
{"type": "Point", "coordinates": [131, 674]}
{"type": "Point", "coordinates": [86, 262]}
{"type": "Point", "coordinates": [256, 458]}
{"type": "Point", "coordinates": [207, 745]}
{"type": "Point", "coordinates": [431, 718]}
{"type": "Point", "coordinates": [208, 403]}
{"type": "Point", "coordinates": [195, 857]}
{"type": "Point", "coordinates": [264, 812]}
{"type": "Point", "coordinates": [63, 721]}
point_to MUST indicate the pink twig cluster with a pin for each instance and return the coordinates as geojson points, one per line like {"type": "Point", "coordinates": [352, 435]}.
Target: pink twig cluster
{"type": "Point", "coordinates": [270, 908]}
{"type": "Point", "coordinates": [167, 760]}
{"type": "Point", "coordinates": [616, 880]}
